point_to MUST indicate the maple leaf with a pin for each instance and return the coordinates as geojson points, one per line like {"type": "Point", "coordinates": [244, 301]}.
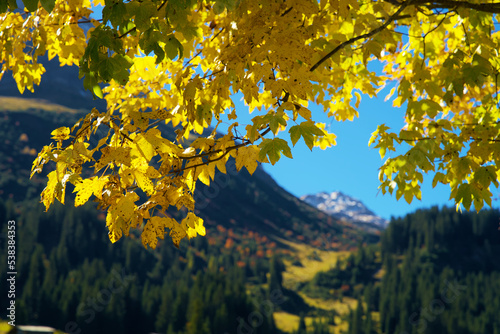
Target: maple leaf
{"type": "Point", "coordinates": [247, 156]}
{"type": "Point", "coordinates": [60, 133]}
{"type": "Point", "coordinates": [84, 190]}
{"type": "Point", "coordinates": [272, 149]}
{"type": "Point", "coordinates": [307, 130]}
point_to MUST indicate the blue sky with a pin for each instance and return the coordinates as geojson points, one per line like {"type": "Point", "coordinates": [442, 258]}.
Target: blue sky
{"type": "Point", "coordinates": [352, 167]}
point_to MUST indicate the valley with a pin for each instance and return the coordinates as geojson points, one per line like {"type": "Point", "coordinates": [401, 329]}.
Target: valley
{"type": "Point", "coordinates": [254, 225]}
{"type": "Point", "coordinates": [270, 263]}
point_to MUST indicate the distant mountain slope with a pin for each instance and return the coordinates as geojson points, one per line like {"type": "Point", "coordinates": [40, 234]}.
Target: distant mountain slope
{"type": "Point", "coordinates": [237, 202]}
{"type": "Point", "coordinates": [59, 85]}
{"type": "Point", "coordinates": [342, 206]}
{"type": "Point", "coordinates": [23, 133]}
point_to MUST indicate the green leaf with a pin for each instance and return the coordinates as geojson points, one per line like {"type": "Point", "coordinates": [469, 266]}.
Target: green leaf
{"type": "Point", "coordinates": [106, 69]}
{"type": "Point", "coordinates": [306, 130]}
{"type": "Point", "coordinates": [203, 113]}
{"type": "Point", "coordinates": [430, 107]}
{"type": "Point", "coordinates": [191, 31]}
{"type": "Point", "coordinates": [273, 148]}
{"type": "Point", "coordinates": [173, 48]}
{"type": "Point", "coordinates": [95, 59]}
{"type": "Point", "coordinates": [97, 91]}
{"type": "Point", "coordinates": [177, 13]}
{"type": "Point", "coordinates": [219, 7]}
{"type": "Point", "coordinates": [106, 13]}
{"type": "Point", "coordinates": [31, 5]}
{"type": "Point", "coordinates": [128, 26]}
{"type": "Point", "coordinates": [121, 76]}
{"type": "Point", "coordinates": [464, 195]}
{"type": "Point", "coordinates": [439, 177]}
{"type": "Point", "coordinates": [120, 66]}
{"type": "Point", "coordinates": [485, 175]}
{"type": "Point", "coordinates": [420, 158]}
{"type": "Point", "coordinates": [123, 61]}
{"type": "Point", "coordinates": [274, 119]}
{"type": "Point", "coordinates": [89, 80]}
{"type": "Point", "coordinates": [149, 43]}
{"type": "Point", "coordinates": [408, 196]}
{"type": "Point", "coordinates": [160, 54]}
{"type": "Point", "coordinates": [231, 4]}
{"type": "Point", "coordinates": [48, 5]}
{"type": "Point", "coordinates": [118, 13]}
{"type": "Point", "coordinates": [143, 15]}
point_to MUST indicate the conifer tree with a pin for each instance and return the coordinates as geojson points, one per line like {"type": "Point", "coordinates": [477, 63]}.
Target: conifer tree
{"type": "Point", "coordinates": [171, 73]}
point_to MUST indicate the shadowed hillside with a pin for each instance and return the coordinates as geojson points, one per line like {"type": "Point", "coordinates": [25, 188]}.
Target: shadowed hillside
{"type": "Point", "coordinates": [59, 85]}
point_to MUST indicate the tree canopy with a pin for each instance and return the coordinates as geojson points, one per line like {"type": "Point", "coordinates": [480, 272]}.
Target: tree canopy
{"type": "Point", "coordinates": [182, 63]}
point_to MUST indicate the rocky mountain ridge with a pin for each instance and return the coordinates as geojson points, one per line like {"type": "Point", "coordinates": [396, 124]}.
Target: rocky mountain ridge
{"type": "Point", "coordinates": [342, 206]}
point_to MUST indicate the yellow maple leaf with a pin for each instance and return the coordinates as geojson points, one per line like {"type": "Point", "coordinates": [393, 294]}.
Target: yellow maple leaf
{"type": "Point", "coordinates": [61, 133]}
{"type": "Point", "coordinates": [125, 208]}
{"type": "Point", "coordinates": [115, 232]}
{"type": "Point", "coordinates": [144, 182]}
{"type": "Point", "coordinates": [49, 193]}
{"type": "Point", "coordinates": [84, 190]}
{"type": "Point", "coordinates": [193, 224]}
{"type": "Point", "coordinates": [247, 156]}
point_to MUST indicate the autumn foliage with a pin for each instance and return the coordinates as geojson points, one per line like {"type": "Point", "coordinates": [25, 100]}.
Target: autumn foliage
{"type": "Point", "coordinates": [181, 62]}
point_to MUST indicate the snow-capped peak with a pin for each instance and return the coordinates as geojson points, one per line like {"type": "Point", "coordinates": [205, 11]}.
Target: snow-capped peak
{"type": "Point", "coordinates": [345, 207]}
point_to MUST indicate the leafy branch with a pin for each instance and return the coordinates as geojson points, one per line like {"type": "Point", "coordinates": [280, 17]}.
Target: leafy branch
{"type": "Point", "coordinates": [364, 36]}
{"type": "Point", "coordinates": [135, 28]}
{"type": "Point", "coordinates": [208, 161]}
{"type": "Point", "coordinates": [492, 7]}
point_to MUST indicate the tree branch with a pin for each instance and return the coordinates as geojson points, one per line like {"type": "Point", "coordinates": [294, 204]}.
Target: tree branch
{"type": "Point", "coordinates": [492, 7]}
{"type": "Point", "coordinates": [367, 35]}
{"type": "Point", "coordinates": [245, 143]}
{"type": "Point", "coordinates": [135, 28]}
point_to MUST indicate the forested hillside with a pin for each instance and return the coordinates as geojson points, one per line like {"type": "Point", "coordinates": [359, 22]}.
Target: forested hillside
{"type": "Point", "coordinates": [441, 276]}
{"type": "Point", "coordinates": [434, 270]}
{"type": "Point", "coordinates": [71, 277]}
{"type": "Point", "coordinates": [65, 260]}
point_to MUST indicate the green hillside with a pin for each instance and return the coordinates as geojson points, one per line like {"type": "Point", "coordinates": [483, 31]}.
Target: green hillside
{"type": "Point", "coordinates": [441, 276]}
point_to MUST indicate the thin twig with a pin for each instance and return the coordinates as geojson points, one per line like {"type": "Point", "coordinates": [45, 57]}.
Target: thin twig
{"type": "Point", "coordinates": [367, 35]}
{"type": "Point", "coordinates": [135, 28]}
{"type": "Point", "coordinates": [232, 148]}
{"type": "Point", "coordinates": [491, 7]}
{"type": "Point", "coordinates": [245, 142]}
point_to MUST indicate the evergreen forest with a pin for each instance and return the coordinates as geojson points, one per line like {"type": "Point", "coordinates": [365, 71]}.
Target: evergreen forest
{"type": "Point", "coordinates": [433, 271]}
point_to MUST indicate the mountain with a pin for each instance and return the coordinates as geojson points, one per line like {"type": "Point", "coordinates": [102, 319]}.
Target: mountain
{"type": "Point", "coordinates": [234, 205]}
{"type": "Point", "coordinates": [59, 85]}
{"type": "Point", "coordinates": [345, 207]}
